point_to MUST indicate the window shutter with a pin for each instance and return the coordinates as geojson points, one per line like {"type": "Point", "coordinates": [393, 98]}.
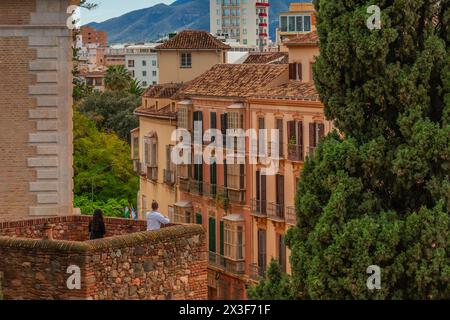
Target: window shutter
{"type": "Point", "coordinates": [280, 189]}
{"type": "Point", "coordinates": [263, 194]}
{"type": "Point", "coordinates": [291, 71]}
{"type": "Point", "coordinates": [198, 218]}
{"type": "Point", "coordinates": [225, 173]}
{"type": "Point", "coordinates": [241, 176]}
{"type": "Point", "coordinates": [213, 120]}
{"type": "Point", "coordinates": [168, 162]}
{"type": "Point", "coordinates": [280, 136]}
{"type": "Point", "coordinates": [321, 129]}
{"type": "Point", "coordinates": [312, 135]}
{"type": "Point", "coordinates": [212, 234]}
{"type": "Point", "coordinates": [258, 186]}
{"type": "Point", "coordinates": [221, 237]}
{"type": "Point", "coordinates": [153, 154]}
{"type": "Point", "coordinates": [299, 72]}
{"type": "Point", "coordinates": [291, 131]}
{"type": "Point", "coordinates": [262, 248]}
{"type": "Point", "coordinates": [223, 127]}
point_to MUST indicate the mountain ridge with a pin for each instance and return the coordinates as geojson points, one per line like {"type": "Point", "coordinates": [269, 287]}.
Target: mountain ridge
{"type": "Point", "coordinates": [150, 24]}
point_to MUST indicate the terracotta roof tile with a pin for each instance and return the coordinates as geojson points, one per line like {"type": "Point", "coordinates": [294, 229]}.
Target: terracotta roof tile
{"type": "Point", "coordinates": [307, 39]}
{"type": "Point", "coordinates": [193, 39]}
{"type": "Point", "coordinates": [234, 80]}
{"type": "Point", "coordinates": [267, 57]}
{"type": "Point", "coordinates": [293, 90]}
{"type": "Point", "coordinates": [164, 112]}
{"type": "Point", "coordinates": [162, 91]}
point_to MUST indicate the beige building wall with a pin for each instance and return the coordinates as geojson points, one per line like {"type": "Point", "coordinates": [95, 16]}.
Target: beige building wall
{"type": "Point", "coordinates": [35, 109]}
{"type": "Point", "coordinates": [306, 56]}
{"type": "Point", "coordinates": [307, 112]}
{"type": "Point", "coordinates": [157, 190]}
{"type": "Point", "coordinates": [169, 64]}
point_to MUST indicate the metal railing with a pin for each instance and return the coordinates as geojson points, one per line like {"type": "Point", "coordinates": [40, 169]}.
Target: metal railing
{"type": "Point", "coordinates": [209, 190]}
{"type": "Point", "coordinates": [256, 272]}
{"type": "Point", "coordinates": [258, 207]}
{"type": "Point", "coordinates": [184, 184]}
{"type": "Point", "coordinates": [152, 173]}
{"type": "Point", "coordinates": [196, 186]}
{"type": "Point", "coordinates": [275, 211]}
{"type": "Point", "coordinates": [236, 195]}
{"type": "Point", "coordinates": [226, 264]}
{"type": "Point", "coordinates": [169, 177]}
{"type": "Point", "coordinates": [291, 215]}
{"type": "Point", "coordinates": [295, 152]}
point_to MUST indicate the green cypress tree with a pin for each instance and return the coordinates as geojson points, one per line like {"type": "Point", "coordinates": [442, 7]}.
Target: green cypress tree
{"type": "Point", "coordinates": [378, 193]}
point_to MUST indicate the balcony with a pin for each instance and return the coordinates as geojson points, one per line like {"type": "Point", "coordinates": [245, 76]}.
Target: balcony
{"type": "Point", "coordinates": [137, 166]}
{"type": "Point", "coordinates": [263, 24]}
{"type": "Point", "coordinates": [225, 264]}
{"type": "Point", "coordinates": [258, 207]}
{"type": "Point", "coordinates": [295, 152]}
{"type": "Point", "coordinates": [209, 190]}
{"type": "Point", "coordinates": [263, 34]}
{"type": "Point", "coordinates": [311, 151]}
{"type": "Point", "coordinates": [262, 4]}
{"type": "Point", "coordinates": [236, 195]}
{"type": "Point", "coordinates": [256, 272]}
{"type": "Point", "coordinates": [291, 216]}
{"type": "Point", "coordinates": [184, 184]}
{"type": "Point", "coordinates": [169, 177]}
{"type": "Point", "coordinates": [262, 14]}
{"type": "Point", "coordinates": [275, 211]}
{"type": "Point", "coordinates": [196, 186]}
{"type": "Point", "coordinates": [152, 173]}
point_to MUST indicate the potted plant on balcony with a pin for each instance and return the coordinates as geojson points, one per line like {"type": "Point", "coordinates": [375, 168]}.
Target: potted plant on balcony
{"type": "Point", "coordinates": [223, 202]}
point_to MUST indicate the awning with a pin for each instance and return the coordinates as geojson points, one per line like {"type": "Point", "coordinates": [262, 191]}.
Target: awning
{"type": "Point", "coordinates": [183, 204]}
{"type": "Point", "coordinates": [184, 102]}
{"type": "Point", "coordinates": [235, 217]}
{"type": "Point", "coordinates": [236, 106]}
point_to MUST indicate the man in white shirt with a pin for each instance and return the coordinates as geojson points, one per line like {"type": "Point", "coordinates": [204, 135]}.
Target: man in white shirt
{"type": "Point", "coordinates": [155, 219]}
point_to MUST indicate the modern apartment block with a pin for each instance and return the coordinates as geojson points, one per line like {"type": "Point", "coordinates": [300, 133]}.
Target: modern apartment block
{"type": "Point", "coordinates": [247, 21]}
{"type": "Point", "coordinates": [35, 109]}
{"type": "Point", "coordinates": [299, 20]}
{"type": "Point", "coordinates": [142, 62]}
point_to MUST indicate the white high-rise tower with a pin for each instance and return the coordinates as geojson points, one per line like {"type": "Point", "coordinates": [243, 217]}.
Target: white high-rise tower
{"type": "Point", "coordinates": [246, 21]}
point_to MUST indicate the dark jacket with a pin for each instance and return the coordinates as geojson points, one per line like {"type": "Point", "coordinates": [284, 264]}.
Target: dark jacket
{"type": "Point", "coordinates": [97, 234]}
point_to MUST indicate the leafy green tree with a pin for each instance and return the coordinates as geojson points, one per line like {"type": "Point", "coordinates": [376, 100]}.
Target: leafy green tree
{"type": "Point", "coordinates": [112, 111]}
{"type": "Point", "coordinates": [276, 285]}
{"type": "Point", "coordinates": [378, 193]}
{"type": "Point", "coordinates": [118, 78]}
{"type": "Point", "coordinates": [102, 166]}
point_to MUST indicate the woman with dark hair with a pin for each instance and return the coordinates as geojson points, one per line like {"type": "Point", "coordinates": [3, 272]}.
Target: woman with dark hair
{"type": "Point", "coordinates": [97, 226]}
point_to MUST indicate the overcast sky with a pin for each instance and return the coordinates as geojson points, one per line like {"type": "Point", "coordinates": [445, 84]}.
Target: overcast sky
{"type": "Point", "coordinates": [113, 8]}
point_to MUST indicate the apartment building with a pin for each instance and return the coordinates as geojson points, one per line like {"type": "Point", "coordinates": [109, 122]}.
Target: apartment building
{"type": "Point", "coordinates": [36, 109]}
{"type": "Point", "coordinates": [114, 56]}
{"type": "Point", "coordinates": [247, 21]}
{"type": "Point", "coordinates": [151, 148]}
{"type": "Point", "coordinates": [142, 62]}
{"type": "Point", "coordinates": [217, 195]}
{"type": "Point", "coordinates": [189, 54]}
{"type": "Point", "coordinates": [294, 109]}
{"type": "Point", "coordinates": [90, 35]}
{"type": "Point", "coordinates": [299, 20]}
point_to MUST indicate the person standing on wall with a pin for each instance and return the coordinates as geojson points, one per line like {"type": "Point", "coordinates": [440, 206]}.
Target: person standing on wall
{"type": "Point", "coordinates": [97, 226]}
{"type": "Point", "coordinates": [155, 219]}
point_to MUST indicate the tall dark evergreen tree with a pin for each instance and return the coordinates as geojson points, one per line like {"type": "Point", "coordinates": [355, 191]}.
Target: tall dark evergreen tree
{"type": "Point", "coordinates": [378, 193]}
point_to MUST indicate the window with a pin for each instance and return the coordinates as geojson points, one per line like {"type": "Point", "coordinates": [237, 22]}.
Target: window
{"type": "Point", "coordinates": [183, 215]}
{"type": "Point", "coordinates": [244, 31]}
{"type": "Point", "coordinates": [183, 118]}
{"type": "Point", "coordinates": [212, 234]}
{"type": "Point", "coordinates": [144, 73]}
{"type": "Point", "coordinates": [295, 140]}
{"type": "Point", "coordinates": [150, 156]}
{"type": "Point", "coordinates": [130, 63]}
{"type": "Point", "coordinates": [281, 251]}
{"type": "Point", "coordinates": [262, 249]}
{"type": "Point", "coordinates": [299, 23]}
{"type": "Point", "coordinates": [235, 176]}
{"type": "Point", "coordinates": [295, 71]}
{"type": "Point", "coordinates": [144, 63]}
{"type": "Point", "coordinates": [234, 240]}
{"type": "Point", "coordinates": [144, 83]}
{"type": "Point", "coordinates": [154, 63]}
{"type": "Point", "coordinates": [169, 172]}
{"type": "Point", "coordinates": [235, 120]}
{"type": "Point", "coordinates": [135, 147]}
{"type": "Point", "coordinates": [316, 134]}
{"type": "Point", "coordinates": [279, 126]}
{"type": "Point", "coordinates": [186, 60]}
{"type": "Point", "coordinates": [283, 24]}
{"type": "Point", "coordinates": [291, 24]}
{"type": "Point", "coordinates": [154, 73]}
{"type": "Point", "coordinates": [307, 23]}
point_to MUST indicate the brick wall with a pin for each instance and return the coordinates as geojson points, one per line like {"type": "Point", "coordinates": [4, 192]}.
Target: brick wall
{"type": "Point", "coordinates": [170, 263]}
{"type": "Point", "coordinates": [15, 176]}
{"type": "Point", "coordinates": [15, 12]}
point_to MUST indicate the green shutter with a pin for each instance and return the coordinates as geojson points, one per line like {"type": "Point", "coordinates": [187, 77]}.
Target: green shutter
{"type": "Point", "coordinates": [212, 234]}
{"type": "Point", "coordinates": [221, 237]}
{"type": "Point", "coordinates": [198, 218]}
